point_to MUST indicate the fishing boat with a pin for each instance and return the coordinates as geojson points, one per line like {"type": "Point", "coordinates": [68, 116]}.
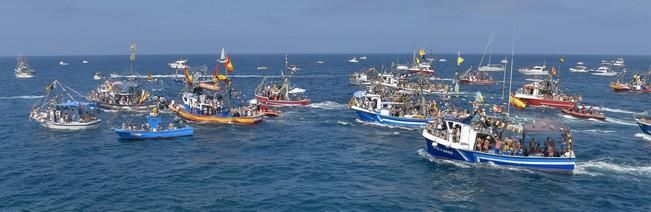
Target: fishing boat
{"type": "Point", "coordinates": [153, 129]}
{"type": "Point", "coordinates": [280, 93]}
{"type": "Point", "coordinates": [363, 77]}
{"type": "Point", "coordinates": [637, 84]}
{"type": "Point", "coordinates": [546, 92]}
{"type": "Point", "coordinates": [420, 64]}
{"type": "Point", "coordinates": [582, 112]}
{"type": "Point", "coordinates": [60, 110]}
{"type": "Point", "coordinates": [23, 69]}
{"type": "Point", "coordinates": [372, 108]}
{"type": "Point", "coordinates": [98, 76]}
{"type": "Point", "coordinates": [580, 68]}
{"type": "Point", "coordinates": [475, 78]}
{"type": "Point", "coordinates": [604, 70]}
{"type": "Point", "coordinates": [496, 141]}
{"type": "Point", "coordinates": [644, 121]}
{"type": "Point", "coordinates": [353, 60]}
{"type": "Point", "coordinates": [208, 109]}
{"type": "Point", "coordinates": [535, 70]}
{"type": "Point", "coordinates": [127, 95]}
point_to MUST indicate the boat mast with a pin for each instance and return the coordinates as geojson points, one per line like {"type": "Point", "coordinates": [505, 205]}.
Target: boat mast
{"type": "Point", "coordinates": [490, 39]}
{"type": "Point", "coordinates": [132, 56]}
{"type": "Point", "coordinates": [508, 106]}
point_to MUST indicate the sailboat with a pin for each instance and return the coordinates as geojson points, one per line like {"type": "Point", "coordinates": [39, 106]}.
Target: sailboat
{"type": "Point", "coordinates": [489, 67]}
{"type": "Point", "coordinates": [23, 69]}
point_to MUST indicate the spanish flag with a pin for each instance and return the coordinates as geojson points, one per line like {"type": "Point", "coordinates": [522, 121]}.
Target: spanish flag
{"type": "Point", "coordinates": [228, 64]}
{"type": "Point", "coordinates": [215, 73]}
{"type": "Point", "coordinates": [554, 71]}
{"type": "Point", "coordinates": [459, 59]}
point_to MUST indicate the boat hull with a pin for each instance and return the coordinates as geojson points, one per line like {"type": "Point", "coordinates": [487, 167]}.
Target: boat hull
{"type": "Point", "coordinates": [544, 163]}
{"type": "Point", "coordinates": [646, 128]}
{"type": "Point", "coordinates": [204, 119]}
{"type": "Point", "coordinates": [72, 125]}
{"type": "Point", "coordinates": [477, 82]}
{"type": "Point", "coordinates": [605, 74]}
{"type": "Point", "coordinates": [139, 134]}
{"type": "Point", "coordinates": [534, 73]}
{"type": "Point", "coordinates": [583, 115]}
{"type": "Point", "coordinates": [132, 108]}
{"type": "Point", "coordinates": [549, 103]}
{"type": "Point", "coordinates": [370, 116]}
{"type": "Point", "coordinates": [281, 103]}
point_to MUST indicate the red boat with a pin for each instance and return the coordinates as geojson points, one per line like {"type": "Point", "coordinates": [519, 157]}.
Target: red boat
{"type": "Point", "coordinates": [546, 93]}
{"type": "Point", "coordinates": [280, 94]}
{"type": "Point", "coordinates": [574, 111]}
{"type": "Point", "coordinates": [266, 111]}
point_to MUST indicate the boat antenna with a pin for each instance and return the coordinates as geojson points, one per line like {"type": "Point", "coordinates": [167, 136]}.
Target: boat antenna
{"type": "Point", "coordinates": [508, 105]}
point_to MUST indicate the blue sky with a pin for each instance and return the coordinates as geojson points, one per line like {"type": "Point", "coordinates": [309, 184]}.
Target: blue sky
{"type": "Point", "coordinates": [78, 27]}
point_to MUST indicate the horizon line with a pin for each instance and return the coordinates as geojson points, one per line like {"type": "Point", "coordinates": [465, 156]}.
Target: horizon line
{"type": "Point", "coordinates": [331, 53]}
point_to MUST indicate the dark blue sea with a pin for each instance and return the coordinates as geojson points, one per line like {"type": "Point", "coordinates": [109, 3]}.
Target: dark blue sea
{"type": "Point", "coordinates": [316, 158]}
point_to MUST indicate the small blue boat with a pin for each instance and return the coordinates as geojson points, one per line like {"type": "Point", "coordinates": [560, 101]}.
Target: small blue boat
{"type": "Point", "coordinates": [154, 131]}
{"type": "Point", "coordinates": [644, 120]}
{"type": "Point", "coordinates": [454, 140]}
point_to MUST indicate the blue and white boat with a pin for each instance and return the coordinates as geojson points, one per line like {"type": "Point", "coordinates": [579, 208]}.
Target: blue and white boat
{"type": "Point", "coordinates": [644, 120]}
{"type": "Point", "coordinates": [371, 108]}
{"type": "Point", "coordinates": [449, 139]}
{"type": "Point", "coordinates": [153, 131]}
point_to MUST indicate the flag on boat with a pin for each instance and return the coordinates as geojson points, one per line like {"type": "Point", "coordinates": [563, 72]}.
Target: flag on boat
{"type": "Point", "coordinates": [132, 49]}
{"type": "Point", "coordinates": [554, 71]}
{"type": "Point", "coordinates": [479, 98]}
{"type": "Point", "coordinates": [417, 61]}
{"type": "Point", "coordinates": [216, 73]}
{"type": "Point", "coordinates": [561, 60]}
{"type": "Point", "coordinates": [422, 53]}
{"type": "Point", "coordinates": [49, 87]}
{"type": "Point", "coordinates": [459, 59]}
{"type": "Point", "coordinates": [188, 77]}
{"type": "Point", "coordinates": [228, 64]}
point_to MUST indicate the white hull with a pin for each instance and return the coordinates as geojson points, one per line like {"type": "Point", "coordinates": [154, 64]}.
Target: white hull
{"type": "Point", "coordinates": [606, 74]}
{"type": "Point", "coordinates": [532, 72]}
{"type": "Point", "coordinates": [71, 125]}
{"type": "Point", "coordinates": [579, 70]}
{"type": "Point", "coordinates": [24, 75]}
{"type": "Point", "coordinates": [491, 69]}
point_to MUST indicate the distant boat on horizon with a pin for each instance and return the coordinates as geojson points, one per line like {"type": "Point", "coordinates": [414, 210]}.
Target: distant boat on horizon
{"type": "Point", "coordinates": [353, 60]}
{"type": "Point", "coordinates": [63, 63]}
{"type": "Point", "coordinates": [84, 61]}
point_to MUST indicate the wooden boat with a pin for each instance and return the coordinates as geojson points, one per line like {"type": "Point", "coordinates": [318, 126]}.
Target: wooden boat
{"type": "Point", "coordinates": [154, 131]}
{"type": "Point", "coordinates": [280, 94]}
{"type": "Point", "coordinates": [180, 111]}
{"type": "Point", "coordinates": [576, 113]}
{"type": "Point", "coordinates": [266, 111]}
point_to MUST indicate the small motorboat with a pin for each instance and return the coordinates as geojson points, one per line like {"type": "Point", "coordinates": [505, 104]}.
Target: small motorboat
{"type": "Point", "coordinates": [23, 69]}
{"type": "Point", "coordinates": [353, 60]}
{"type": "Point", "coordinates": [98, 76]}
{"type": "Point", "coordinates": [153, 130]}
{"type": "Point", "coordinates": [63, 63]}
{"type": "Point", "coordinates": [644, 121]}
{"type": "Point", "coordinates": [443, 60]}
{"type": "Point", "coordinates": [179, 64]}
{"type": "Point", "coordinates": [580, 68]}
{"type": "Point", "coordinates": [583, 113]}
{"type": "Point", "coordinates": [476, 78]}
{"type": "Point", "coordinates": [320, 62]}
{"type": "Point", "coordinates": [492, 68]}
{"type": "Point", "coordinates": [84, 61]}
{"type": "Point", "coordinates": [604, 70]}
{"type": "Point", "coordinates": [262, 68]}
{"type": "Point", "coordinates": [362, 58]}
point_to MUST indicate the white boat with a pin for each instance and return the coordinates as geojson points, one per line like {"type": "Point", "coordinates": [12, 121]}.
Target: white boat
{"type": "Point", "coordinates": [59, 110]}
{"type": "Point", "coordinates": [619, 62]}
{"type": "Point", "coordinates": [262, 68]}
{"type": "Point", "coordinates": [402, 67]}
{"type": "Point", "coordinates": [84, 61]}
{"type": "Point", "coordinates": [362, 58]}
{"type": "Point", "coordinates": [535, 70]}
{"type": "Point", "coordinates": [443, 60]}
{"type": "Point", "coordinates": [604, 70]}
{"type": "Point", "coordinates": [353, 60]}
{"type": "Point", "coordinates": [579, 68]}
{"type": "Point", "coordinates": [63, 63]}
{"type": "Point", "coordinates": [179, 64]}
{"type": "Point", "coordinates": [492, 67]}
{"type": "Point", "coordinates": [580, 63]}
{"type": "Point", "coordinates": [98, 76]}
{"type": "Point", "coordinates": [23, 69]}
{"type": "Point", "coordinates": [505, 61]}
{"type": "Point", "coordinates": [320, 62]}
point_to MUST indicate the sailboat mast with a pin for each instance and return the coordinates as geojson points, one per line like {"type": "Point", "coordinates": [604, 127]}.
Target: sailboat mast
{"type": "Point", "coordinates": [504, 79]}
{"type": "Point", "coordinates": [132, 56]}
{"type": "Point", "coordinates": [508, 106]}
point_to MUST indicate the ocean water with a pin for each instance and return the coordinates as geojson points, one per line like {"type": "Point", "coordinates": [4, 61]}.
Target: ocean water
{"type": "Point", "coordinates": [318, 157]}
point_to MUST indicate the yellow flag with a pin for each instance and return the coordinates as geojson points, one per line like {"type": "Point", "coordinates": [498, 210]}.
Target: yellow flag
{"type": "Point", "coordinates": [421, 52]}
{"type": "Point", "coordinates": [459, 59]}
{"type": "Point", "coordinates": [417, 60]}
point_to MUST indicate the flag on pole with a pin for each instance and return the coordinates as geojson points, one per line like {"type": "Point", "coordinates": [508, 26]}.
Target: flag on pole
{"type": "Point", "coordinates": [554, 71]}
{"type": "Point", "coordinates": [561, 60]}
{"type": "Point", "coordinates": [49, 87]}
{"type": "Point", "coordinates": [228, 64]}
{"type": "Point", "coordinates": [132, 49]}
{"type": "Point", "coordinates": [422, 53]}
{"type": "Point", "coordinates": [188, 77]}
{"type": "Point", "coordinates": [459, 59]}
{"type": "Point", "coordinates": [215, 73]}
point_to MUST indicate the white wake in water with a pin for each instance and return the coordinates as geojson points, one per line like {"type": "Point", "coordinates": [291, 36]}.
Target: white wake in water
{"type": "Point", "coordinates": [643, 136]}
{"type": "Point", "coordinates": [384, 125]}
{"type": "Point", "coordinates": [344, 123]}
{"type": "Point", "coordinates": [622, 122]}
{"type": "Point", "coordinates": [615, 110]}
{"type": "Point", "coordinates": [21, 97]}
{"type": "Point", "coordinates": [597, 131]}
{"type": "Point", "coordinates": [328, 105]}
{"type": "Point", "coordinates": [597, 168]}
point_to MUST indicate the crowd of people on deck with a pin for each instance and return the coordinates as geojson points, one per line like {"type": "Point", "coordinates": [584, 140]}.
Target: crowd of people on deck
{"type": "Point", "coordinates": [62, 115]}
